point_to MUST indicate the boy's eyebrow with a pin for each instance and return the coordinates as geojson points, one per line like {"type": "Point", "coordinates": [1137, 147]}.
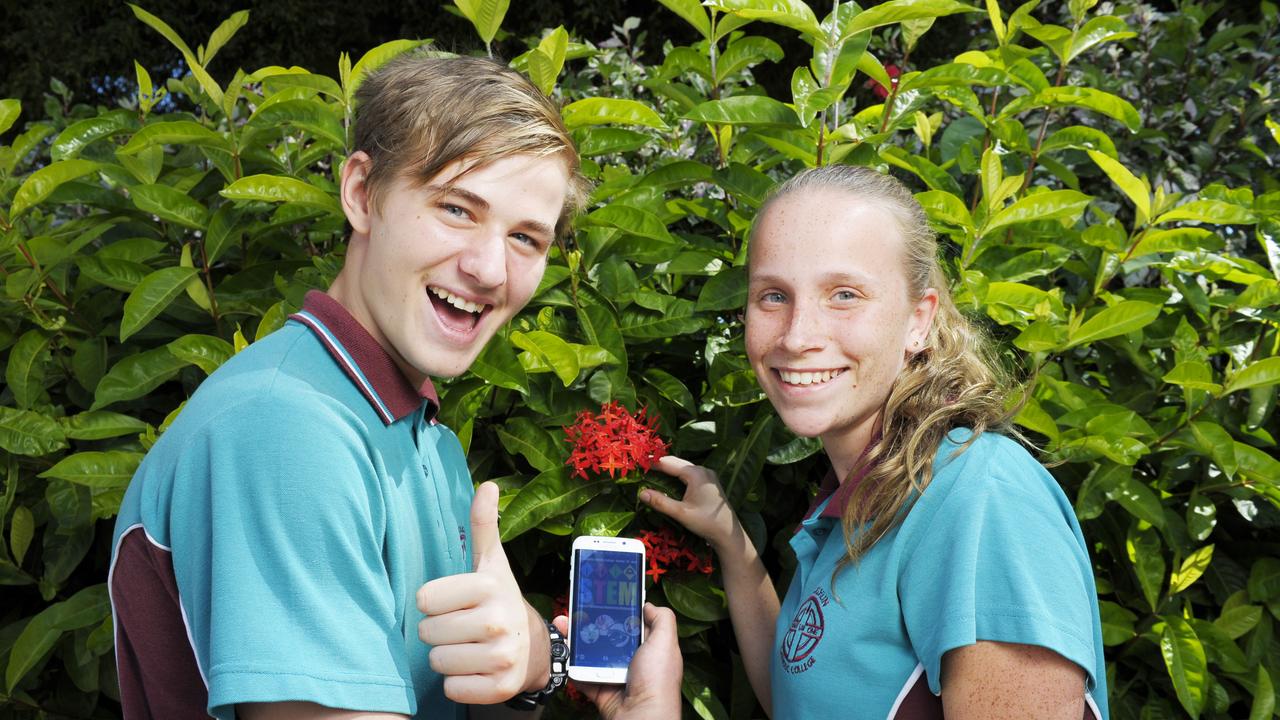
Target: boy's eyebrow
{"type": "Point", "coordinates": [483, 205]}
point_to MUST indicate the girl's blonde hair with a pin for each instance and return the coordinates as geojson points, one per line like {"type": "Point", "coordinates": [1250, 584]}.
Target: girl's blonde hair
{"type": "Point", "coordinates": [954, 382]}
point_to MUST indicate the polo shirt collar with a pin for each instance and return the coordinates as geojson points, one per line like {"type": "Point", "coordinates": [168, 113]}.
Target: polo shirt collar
{"type": "Point", "coordinates": [368, 365]}
{"type": "Point", "coordinates": [839, 492]}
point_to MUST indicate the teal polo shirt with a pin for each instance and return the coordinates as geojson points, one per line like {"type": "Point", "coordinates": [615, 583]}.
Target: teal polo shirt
{"type": "Point", "coordinates": [990, 551]}
{"type": "Point", "coordinates": [271, 543]}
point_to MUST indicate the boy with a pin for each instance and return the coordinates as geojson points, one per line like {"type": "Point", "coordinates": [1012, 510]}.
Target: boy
{"type": "Point", "coordinates": [278, 548]}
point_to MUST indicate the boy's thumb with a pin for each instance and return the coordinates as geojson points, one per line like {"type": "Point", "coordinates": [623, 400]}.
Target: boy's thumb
{"type": "Point", "coordinates": [486, 546]}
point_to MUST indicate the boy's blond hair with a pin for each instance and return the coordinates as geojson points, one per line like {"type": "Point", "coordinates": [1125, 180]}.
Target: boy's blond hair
{"type": "Point", "coordinates": [420, 112]}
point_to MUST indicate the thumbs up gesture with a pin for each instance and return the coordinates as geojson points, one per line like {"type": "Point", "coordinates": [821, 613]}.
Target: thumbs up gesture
{"type": "Point", "coordinates": [482, 632]}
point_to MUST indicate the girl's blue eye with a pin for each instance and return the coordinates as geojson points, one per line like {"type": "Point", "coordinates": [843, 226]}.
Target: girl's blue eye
{"type": "Point", "coordinates": [846, 295]}
{"type": "Point", "coordinates": [773, 297]}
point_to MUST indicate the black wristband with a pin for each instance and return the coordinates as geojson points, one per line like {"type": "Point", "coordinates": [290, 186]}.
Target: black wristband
{"type": "Point", "coordinates": [530, 701]}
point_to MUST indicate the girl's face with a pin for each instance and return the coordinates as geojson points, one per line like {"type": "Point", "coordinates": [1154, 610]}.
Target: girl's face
{"type": "Point", "coordinates": [830, 319]}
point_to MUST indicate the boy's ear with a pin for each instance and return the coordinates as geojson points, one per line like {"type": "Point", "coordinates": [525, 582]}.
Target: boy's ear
{"type": "Point", "coordinates": [354, 191]}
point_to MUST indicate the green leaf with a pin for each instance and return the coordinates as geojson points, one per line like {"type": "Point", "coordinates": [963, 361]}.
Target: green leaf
{"type": "Point", "coordinates": [136, 376]}
{"type": "Point", "coordinates": [499, 365]}
{"type": "Point", "coordinates": [1264, 696]}
{"type": "Point", "coordinates": [373, 60]}
{"type": "Point", "coordinates": [197, 69]}
{"type": "Point", "coordinates": [794, 14]}
{"type": "Point", "coordinates": [670, 387]}
{"type": "Point", "coordinates": [1099, 30]}
{"type": "Point", "coordinates": [176, 132]}
{"type": "Point", "coordinates": [25, 369]}
{"type": "Point", "coordinates": [553, 351]}
{"type": "Point", "coordinates": [726, 290]}
{"type": "Point", "coordinates": [101, 425]}
{"type": "Point", "coordinates": [23, 432]}
{"type": "Point", "coordinates": [1187, 239]}
{"type": "Point", "coordinates": [80, 134]}
{"type": "Point", "coordinates": [1080, 137]}
{"type": "Point", "coordinates": [171, 204]}
{"type": "Point", "coordinates": [44, 181]}
{"type": "Point", "coordinates": [1259, 374]}
{"type": "Point", "coordinates": [110, 469]}
{"type": "Point", "coordinates": [1147, 557]}
{"type": "Point", "coordinates": [1192, 568]}
{"type": "Point", "coordinates": [1074, 96]}
{"type": "Point", "coordinates": [695, 597]}
{"type": "Point", "coordinates": [1117, 623]}
{"type": "Point", "coordinates": [606, 111]}
{"type": "Point", "coordinates": [1051, 205]}
{"type": "Point", "coordinates": [279, 188]}
{"type": "Point", "coordinates": [549, 494]}
{"type": "Point", "coordinates": [1123, 317]}
{"type": "Point", "coordinates": [152, 296]}
{"type": "Point", "coordinates": [204, 351]}
{"type": "Point", "coordinates": [1137, 190]}
{"type": "Point", "coordinates": [1264, 579]}
{"type": "Point", "coordinates": [85, 608]}
{"type": "Point", "coordinates": [1194, 374]}
{"type": "Point", "coordinates": [692, 12]}
{"type": "Point", "coordinates": [22, 528]}
{"type": "Point", "coordinates": [744, 53]}
{"type": "Point", "coordinates": [1184, 658]}
{"type": "Point", "coordinates": [1209, 211]}
{"type": "Point", "coordinates": [944, 207]}
{"type": "Point", "coordinates": [606, 140]}
{"type": "Point", "coordinates": [11, 108]}
{"type": "Point", "coordinates": [631, 220]}
{"type": "Point", "coordinates": [895, 11]}
{"type": "Point", "coordinates": [223, 33]}
{"type": "Point", "coordinates": [521, 435]}
{"type": "Point", "coordinates": [1237, 621]}
{"type": "Point", "coordinates": [744, 110]}
{"type": "Point", "coordinates": [309, 114]}
{"type": "Point", "coordinates": [485, 15]}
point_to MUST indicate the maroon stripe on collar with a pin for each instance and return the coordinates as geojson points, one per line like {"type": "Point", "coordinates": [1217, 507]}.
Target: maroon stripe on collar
{"type": "Point", "coordinates": [399, 396]}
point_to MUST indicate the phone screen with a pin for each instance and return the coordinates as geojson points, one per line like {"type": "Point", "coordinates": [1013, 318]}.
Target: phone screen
{"type": "Point", "coordinates": [605, 608]}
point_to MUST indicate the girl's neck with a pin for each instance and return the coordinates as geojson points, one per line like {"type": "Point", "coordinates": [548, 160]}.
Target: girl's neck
{"type": "Point", "coordinates": [845, 449]}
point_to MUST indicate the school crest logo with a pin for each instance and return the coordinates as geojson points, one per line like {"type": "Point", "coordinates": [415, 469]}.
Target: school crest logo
{"type": "Point", "coordinates": [804, 634]}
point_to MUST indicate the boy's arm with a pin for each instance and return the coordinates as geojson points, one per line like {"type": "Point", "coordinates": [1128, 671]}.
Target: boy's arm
{"type": "Point", "coordinates": [306, 711]}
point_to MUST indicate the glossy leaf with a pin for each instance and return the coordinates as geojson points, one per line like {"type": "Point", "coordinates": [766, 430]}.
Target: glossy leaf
{"type": "Point", "coordinates": [549, 494]}
{"type": "Point", "coordinates": [794, 14]}
{"type": "Point", "coordinates": [522, 436]}
{"type": "Point", "coordinates": [1117, 623]}
{"type": "Point", "coordinates": [23, 432]}
{"type": "Point", "coordinates": [1134, 188]}
{"type": "Point", "coordinates": [1121, 318]}
{"type": "Point", "coordinates": [895, 11]}
{"type": "Point", "coordinates": [374, 59]}
{"type": "Point", "coordinates": [85, 132]}
{"type": "Point", "coordinates": [1264, 696]}
{"type": "Point", "coordinates": [485, 15]}
{"type": "Point", "coordinates": [278, 188]}
{"type": "Point", "coordinates": [1209, 211]}
{"type": "Point", "coordinates": [1085, 97]}
{"type": "Point", "coordinates": [22, 528]}
{"type": "Point", "coordinates": [1259, 374]}
{"type": "Point", "coordinates": [24, 371]}
{"type": "Point", "coordinates": [204, 351]}
{"type": "Point", "coordinates": [101, 425]}
{"type": "Point", "coordinates": [1054, 204]}
{"type": "Point", "coordinates": [10, 109]}
{"type": "Point", "coordinates": [1184, 658]}
{"type": "Point", "coordinates": [1264, 580]}
{"type": "Point", "coordinates": [744, 110]}
{"type": "Point", "coordinates": [692, 12]}
{"type": "Point", "coordinates": [1237, 621]}
{"type": "Point", "coordinates": [610, 111]}
{"type": "Point", "coordinates": [152, 296]}
{"type": "Point", "coordinates": [41, 183]}
{"type": "Point", "coordinates": [694, 597]}
{"type": "Point", "coordinates": [554, 353]}
{"type": "Point", "coordinates": [110, 469]}
{"type": "Point", "coordinates": [1192, 568]}
{"type": "Point", "coordinates": [135, 376]}
{"type": "Point", "coordinates": [170, 204]}
{"type": "Point", "coordinates": [175, 132]}
{"type": "Point", "coordinates": [41, 633]}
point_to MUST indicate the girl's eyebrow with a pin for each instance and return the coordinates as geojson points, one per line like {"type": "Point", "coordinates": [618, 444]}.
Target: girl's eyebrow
{"type": "Point", "coordinates": [829, 278]}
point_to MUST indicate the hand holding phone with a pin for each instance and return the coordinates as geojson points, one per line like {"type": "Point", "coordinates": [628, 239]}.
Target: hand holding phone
{"type": "Point", "coordinates": [652, 691]}
{"type": "Point", "coordinates": [606, 594]}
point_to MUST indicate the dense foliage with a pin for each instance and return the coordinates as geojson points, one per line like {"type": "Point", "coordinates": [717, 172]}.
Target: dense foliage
{"type": "Point", "coordinates": [1104, 176]}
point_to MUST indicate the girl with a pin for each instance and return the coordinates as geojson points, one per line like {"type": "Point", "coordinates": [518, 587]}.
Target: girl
{"type": "Point", "coordinates": [941, 569]}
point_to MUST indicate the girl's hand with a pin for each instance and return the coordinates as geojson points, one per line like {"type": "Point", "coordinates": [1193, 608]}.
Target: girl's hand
{"type": "Point", "coordinates": [704, 510]}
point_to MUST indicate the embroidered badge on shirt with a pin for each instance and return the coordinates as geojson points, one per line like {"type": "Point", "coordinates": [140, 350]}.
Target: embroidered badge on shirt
{"type": "Point", "coordinates": [805, 633]}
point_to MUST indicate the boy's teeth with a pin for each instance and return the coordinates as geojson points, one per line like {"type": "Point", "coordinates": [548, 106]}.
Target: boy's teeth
{"type": "Point", "coordinates": [808, 378]}
{"type": "Point", "coordinates": [454, 300]}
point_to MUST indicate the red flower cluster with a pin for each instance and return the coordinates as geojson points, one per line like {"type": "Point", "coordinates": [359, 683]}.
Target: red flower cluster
{"type": "Point", "coordinates": [664, 548]}
{"type": "Point", "coordinates": [882, 92]}
{"type": "Point", "coordinates": [614, 441]}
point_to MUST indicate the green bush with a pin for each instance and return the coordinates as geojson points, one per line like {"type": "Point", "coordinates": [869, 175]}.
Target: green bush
{"type": "Point", "coordinates": [1106, 185]}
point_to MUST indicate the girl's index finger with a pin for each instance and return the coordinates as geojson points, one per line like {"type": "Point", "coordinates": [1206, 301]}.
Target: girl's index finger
{"type": "Point", "coordinates": [682, 469]}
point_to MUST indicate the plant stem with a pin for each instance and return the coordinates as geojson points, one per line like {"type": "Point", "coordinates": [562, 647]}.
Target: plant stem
{"type": "Point", "coordinates": [208, 284]}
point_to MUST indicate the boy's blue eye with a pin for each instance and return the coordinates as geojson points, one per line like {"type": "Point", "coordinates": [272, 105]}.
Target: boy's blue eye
{"type": "Point", "coordinates": [527, 240]}
{"type": "Point", "coordinates": [454, 210]}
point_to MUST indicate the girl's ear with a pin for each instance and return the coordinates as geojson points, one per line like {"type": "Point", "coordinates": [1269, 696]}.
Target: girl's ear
{"type": "Point", "coordinates": [354, 192]}
{"type": "Point", "coordinates": [922, 321]}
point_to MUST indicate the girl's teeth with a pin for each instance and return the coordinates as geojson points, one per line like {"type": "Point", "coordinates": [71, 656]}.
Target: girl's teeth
{"type": "Point", "coordinates": [808, 378]}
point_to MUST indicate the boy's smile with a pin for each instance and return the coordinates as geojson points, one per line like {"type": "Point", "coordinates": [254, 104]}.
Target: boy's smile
{"type": "Point", "coordinates": [436, 270]}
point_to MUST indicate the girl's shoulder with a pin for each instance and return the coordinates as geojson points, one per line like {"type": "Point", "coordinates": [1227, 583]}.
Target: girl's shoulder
{"type": "Point", "coordinates": [972, 469]}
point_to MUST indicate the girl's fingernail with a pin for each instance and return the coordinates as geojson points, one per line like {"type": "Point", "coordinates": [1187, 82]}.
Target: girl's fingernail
{"type": "Point", "coordinates": [644, 496]}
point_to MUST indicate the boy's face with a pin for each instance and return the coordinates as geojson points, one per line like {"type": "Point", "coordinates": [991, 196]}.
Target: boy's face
{"type": "Point", "coordinates": [440, 271]}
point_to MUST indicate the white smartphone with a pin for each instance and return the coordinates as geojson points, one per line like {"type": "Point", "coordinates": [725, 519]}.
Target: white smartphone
{"type": "Point", "coordinates": [606, 601]}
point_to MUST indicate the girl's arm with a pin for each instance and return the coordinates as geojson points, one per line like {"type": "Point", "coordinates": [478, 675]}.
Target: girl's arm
{"type": "Point", "coordinates": [997, 679]}
{"type": "Point", "coordinates": [753, 603]}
